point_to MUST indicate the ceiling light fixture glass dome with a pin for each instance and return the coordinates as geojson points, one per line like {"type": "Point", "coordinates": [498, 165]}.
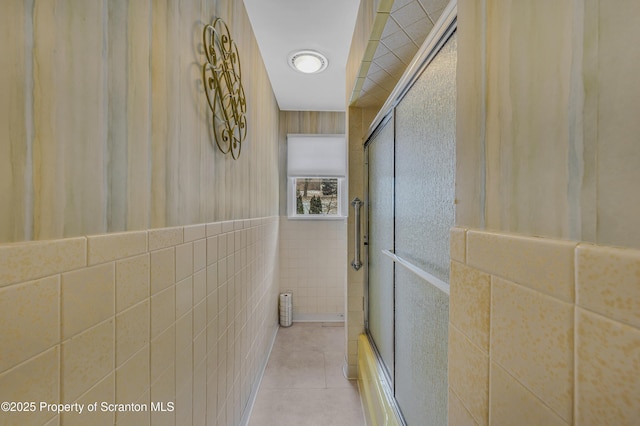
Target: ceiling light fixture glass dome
{"type": "Point", "coordinates": [308, 61]}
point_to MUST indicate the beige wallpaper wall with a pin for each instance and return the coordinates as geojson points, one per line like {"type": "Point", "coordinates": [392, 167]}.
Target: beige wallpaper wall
{"type": "Point", "coordinates": [547, 129]}
{"type": "Point", "coordinates": [104, 126]}
{"type": "Point", "coordinates": [311, 122]}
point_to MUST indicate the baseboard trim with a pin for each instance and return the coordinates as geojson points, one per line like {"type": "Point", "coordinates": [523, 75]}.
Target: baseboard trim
{"type": "Point", "coordinates": [318, 317]}
{"type": "Point", "coordinates": [254, 392]}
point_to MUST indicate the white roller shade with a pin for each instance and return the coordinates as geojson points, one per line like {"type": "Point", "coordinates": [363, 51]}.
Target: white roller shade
{"type": "Point", "coordinates": [316, 155]}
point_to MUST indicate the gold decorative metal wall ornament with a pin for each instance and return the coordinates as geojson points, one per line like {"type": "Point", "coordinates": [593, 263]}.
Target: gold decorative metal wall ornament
{"type": "Point", "coordinates": [223, 87]}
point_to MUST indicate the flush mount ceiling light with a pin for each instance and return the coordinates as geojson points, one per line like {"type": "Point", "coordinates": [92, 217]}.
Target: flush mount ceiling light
{"type": "Point", "coordinates": [308, 61]}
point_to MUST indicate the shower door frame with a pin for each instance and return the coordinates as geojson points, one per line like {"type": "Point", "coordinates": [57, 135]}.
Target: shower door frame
{"type": "Point", "coordinates": [444, 28]}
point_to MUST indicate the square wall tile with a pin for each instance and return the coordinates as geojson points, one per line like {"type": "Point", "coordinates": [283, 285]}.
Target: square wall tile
{"type": "Point", "coordinates": [222, 271]}
{"type": "Point", "coordinates": [55, 421]}
{"type": "Point", "coordinates": [132, 378]}
{"type": "Point", "coordinates": [434, 7]}
{"type": "Point", "coordinates": [37, 259]}
{"type": "Point", "coordinates": [532, 338]}
{"type": "Point", "coordinates": [200, 349]}
{"type": "Point", "coordinates": [212, 250]}
{"type": "Point", "coordinates": [163, 269]}
{"type": "Point", "coordinates": [184, 261]}
{"type": "Point", "coordinates": [542, 264]}
{"type": "Point", "coordinates": [108, 247]}
{"type": "Point", "coordinates": [199, 317]}
{"type": "Point", "coordinates": [194, 232]}
{"type": "Point", "coordinates": [214, 229]}
{"type": "Point", "coordinates": [231, 243]}
{"type": "Point", "coordinates": [397, 4]}
{"type": "Point", "coordinates": [132, 281]}
{"type": "Point", "coordinates": [184, 405]}
{"type": "Point", "coordinates": [87, 297]}
{"type": "Point", "coordinates": [458, 244]}
{"type": "Point", "coordinates": [132, 331]}
{"type": "Point", "coordinates": [222, 246]}
{"type": "Point", "coordinates": [102, 392]}
{"type": "Point", "coordinates": [469, 375]}
{"type": "Point", "coordinates": [199, 254]}
{"type": "Point", "coordinates": [212, 305]}
{"type": "Point", "coordinates": [608, 282]}
{"type": "Point", "coordinates": [608, 371]}
{"type": "Point", "coordinates": [165, 237]}
{"type": "Point", "coordinates": [458, 414]}
{"type": "Point", "coordinates": [133, 418]}
{"type": "Point", "coordinates": [164, 390]}
{"type": "Point", "coordinates": [36, 380]}
{"type": "Point", "coordinates": [470, 303]}
{"type": "Point", "coordinates": [237, 236]}
{"type": "Point", "coordinates": [212, 278]}
{"type": "Point", "coordinates": [184, 296]}
{"type": "Point", "coordinates": [163, 311]}
{"type": "Point", "coordinates": [163, 353]}
{"type": "Point", "coordinates": [184, 368]}
{"type": "Point", "coordinates": [513, 404]}
{"type": "Point", "coordinates": [184, 332]}
{"type": "Point", "coordinates": [231, 266]}
{"type": "Point", "coordinates": [199, 286]}
{"type": "Point", "coordinates": [418, 31]}
{"type": "Point", "coordinates": [200, 395]}
{"type": "Point", "coordinates": [86, 359]}
{"type": "Point", "coordinates": [212, 345]}
{"type": "Point", "coordinates": [29, 320]}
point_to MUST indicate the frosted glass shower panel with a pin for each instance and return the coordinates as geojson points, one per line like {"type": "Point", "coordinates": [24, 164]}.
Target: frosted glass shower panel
{"type": "Point", "coordinates": [421, 350]}
{"type": "Point", "coordinates": [425, 211]}
{"type": "Point", "coordinates": [381, 172]}
{"type": "Point", "coordinates": [425, 165]}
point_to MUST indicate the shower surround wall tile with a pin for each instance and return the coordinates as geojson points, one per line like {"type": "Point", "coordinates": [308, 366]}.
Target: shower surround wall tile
{"type": "Point", "coordinates": [469, 375]}
{"type": "Point", "coordinates": [511, 402]}
{"type": "Point", "coordinates": [469, 306]}
{"type": "Point", "coordinates": [608, 282]}
{"type": "Point", "coordinates": [607, 365]}
{"type": "Point", "coordinates": [199, 343]}
{"type": "Point", "coordinates": [552, 360]}
{"type": "Point", "coordinates": [532, 338]}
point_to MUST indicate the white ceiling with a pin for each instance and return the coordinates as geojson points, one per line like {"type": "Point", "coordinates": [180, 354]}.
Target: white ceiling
{"type": "Point", "coordinates": [285, 26]}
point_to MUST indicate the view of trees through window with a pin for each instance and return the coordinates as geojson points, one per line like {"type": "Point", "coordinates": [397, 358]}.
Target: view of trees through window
{"type": "Point", "coordinates": [317, 196]}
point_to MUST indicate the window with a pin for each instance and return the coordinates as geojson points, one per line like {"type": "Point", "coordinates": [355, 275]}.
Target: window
{"type": "Point", "coordinates": [316, 175]}
{"type": "Point", "coordinates": [316, 196]}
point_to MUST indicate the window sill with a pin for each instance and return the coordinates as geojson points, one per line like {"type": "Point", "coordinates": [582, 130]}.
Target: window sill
{"type": "Point", "coordinates": [318, 217]}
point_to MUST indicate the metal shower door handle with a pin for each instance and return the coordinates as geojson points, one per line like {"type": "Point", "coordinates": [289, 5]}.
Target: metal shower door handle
{"type": "Point", "coordinates": [356, 263]}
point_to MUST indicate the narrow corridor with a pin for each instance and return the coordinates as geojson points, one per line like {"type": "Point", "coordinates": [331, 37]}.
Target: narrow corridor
{"type": "Point", "coordinates": [303, 383]}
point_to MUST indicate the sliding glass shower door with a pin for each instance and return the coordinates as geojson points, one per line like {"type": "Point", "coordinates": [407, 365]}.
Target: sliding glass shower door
{"type": "Point", "coordinates": [381, 237]}
{"type": "Point", "coordinates": [411, 171]}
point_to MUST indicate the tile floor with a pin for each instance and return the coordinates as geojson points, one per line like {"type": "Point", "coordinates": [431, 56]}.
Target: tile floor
{"type": "Point", "coordinates": [303, 383]}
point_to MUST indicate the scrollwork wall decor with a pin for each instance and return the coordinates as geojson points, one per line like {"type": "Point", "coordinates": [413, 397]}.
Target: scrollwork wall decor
{"type": "Point", "coordinates": [221, 75]}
